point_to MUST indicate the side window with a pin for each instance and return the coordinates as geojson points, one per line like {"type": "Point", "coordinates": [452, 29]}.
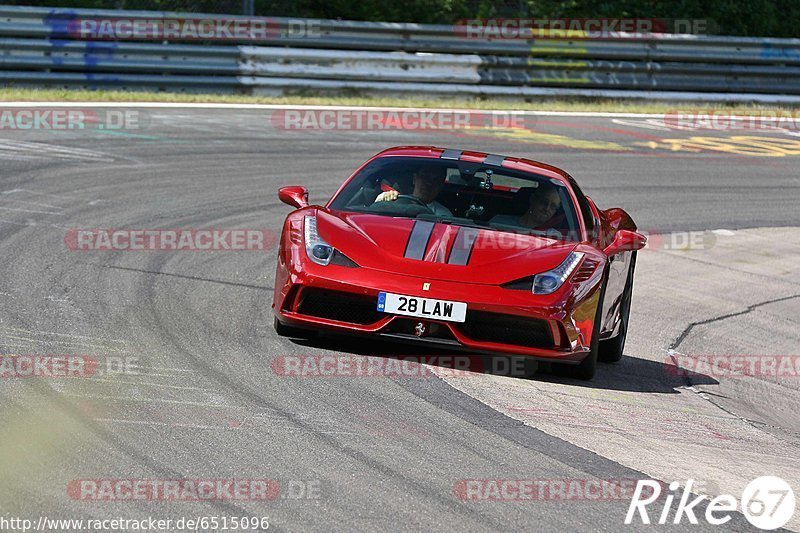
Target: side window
{"type": "Point", "coordinates": [586, 209]}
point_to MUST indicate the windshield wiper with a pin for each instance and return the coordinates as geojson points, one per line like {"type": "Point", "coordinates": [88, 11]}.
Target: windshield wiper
{"type": "Point", "coordinates": [455, 221]}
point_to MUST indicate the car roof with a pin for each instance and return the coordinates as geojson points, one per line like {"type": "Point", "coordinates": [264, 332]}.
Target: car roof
{"type": "Point", "coordinates": [513, 163]}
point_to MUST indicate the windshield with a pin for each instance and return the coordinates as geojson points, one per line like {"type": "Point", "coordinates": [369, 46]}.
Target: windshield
{"type": "Point", "coordinates": [462, 193]}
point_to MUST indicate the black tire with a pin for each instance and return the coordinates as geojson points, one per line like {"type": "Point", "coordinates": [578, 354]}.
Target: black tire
{"type": "Point", "coordinates": [289, 331]}
{"type": "Point", "coordinates": [611, 350]}
{"type": "Point", "coordinates": [586, 369]}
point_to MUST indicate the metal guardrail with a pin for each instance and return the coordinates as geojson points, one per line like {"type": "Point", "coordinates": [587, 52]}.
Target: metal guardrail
{"type": "Point", "coordinates": [38, 48]}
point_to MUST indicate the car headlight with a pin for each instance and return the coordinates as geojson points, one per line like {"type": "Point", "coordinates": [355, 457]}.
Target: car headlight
{"type": "Point", "coordinates": [549, 282]}
{"type": "Point", "coordinates": [317, 249]}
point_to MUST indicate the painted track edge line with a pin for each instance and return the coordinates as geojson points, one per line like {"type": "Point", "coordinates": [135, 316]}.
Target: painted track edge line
{"type": "Point", "coordinates": [204, 105]}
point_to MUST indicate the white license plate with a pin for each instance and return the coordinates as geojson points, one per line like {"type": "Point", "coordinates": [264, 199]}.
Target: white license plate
{"type": "Point", "coordinates": [422, 307]}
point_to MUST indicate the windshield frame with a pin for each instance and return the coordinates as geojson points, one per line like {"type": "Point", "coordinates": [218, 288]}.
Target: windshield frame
{"type": "Point", "coordinates": [573, 210]}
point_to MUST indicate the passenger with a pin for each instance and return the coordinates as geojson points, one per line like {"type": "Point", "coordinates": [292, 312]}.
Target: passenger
{"type": "Point", "coordinates": [543, 203]}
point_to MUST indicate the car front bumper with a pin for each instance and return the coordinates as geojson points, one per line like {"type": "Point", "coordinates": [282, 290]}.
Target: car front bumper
{"type": "Point", "coordinates": [339, 299]}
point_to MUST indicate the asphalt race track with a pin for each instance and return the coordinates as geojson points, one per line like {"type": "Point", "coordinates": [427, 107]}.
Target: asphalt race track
{"type": "Point", "coordinates": [187, 386]}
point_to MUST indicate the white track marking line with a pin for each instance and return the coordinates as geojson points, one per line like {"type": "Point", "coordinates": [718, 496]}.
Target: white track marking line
{"type": "Point", "coordinates": [65, 343]}
{"type": "Point", "coordinates": [15, 222]}
{"type": "Point", "coordinates": [16, 338]}
{"type": "Point", "coordinates": [149, 384]}
{"type": "Point", "coordinates": [151, 375]}
{"type": "Point", "coordinates": [149, 400]}
{"type": "Point", "coordinates": [40, 150]}
{"type": "Point", "coordinates": [190, 105]}
{"type": "Point", "coordinates": [14, 191]}
{"type": "Point", "coordinates": [32, 224]}
{"type": "Point", "coordinates": [31, 211]}
{"type": "Point", "coordinates": [167, 424]}
{"type": "Point", "coordinates": [39, 204]}
{"type": "Point", "coordinates": [70, 335]}
{"type": "Point", "coordinates": [145, 367]}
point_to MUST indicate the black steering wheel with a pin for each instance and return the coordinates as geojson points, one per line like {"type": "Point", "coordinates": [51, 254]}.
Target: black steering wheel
{"type": "Point", "coordinates": [413, 199]}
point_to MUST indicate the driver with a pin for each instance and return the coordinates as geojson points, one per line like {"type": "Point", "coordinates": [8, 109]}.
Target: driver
{"type": "Point", "coordinates": [428, 183]}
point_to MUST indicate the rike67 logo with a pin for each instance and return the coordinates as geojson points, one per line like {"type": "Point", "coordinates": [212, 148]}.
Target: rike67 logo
{"type": "Point", "coordinates": [767, 503]}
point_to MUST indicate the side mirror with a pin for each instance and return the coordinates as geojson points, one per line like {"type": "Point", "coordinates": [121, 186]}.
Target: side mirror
{"type": "Point", "coordinates": [294, 195]}
{"type": "Point", "coordinates": [626, 241]}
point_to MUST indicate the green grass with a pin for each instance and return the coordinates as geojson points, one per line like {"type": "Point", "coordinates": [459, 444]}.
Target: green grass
{"type": "Point", "coordinates": [544, 104]}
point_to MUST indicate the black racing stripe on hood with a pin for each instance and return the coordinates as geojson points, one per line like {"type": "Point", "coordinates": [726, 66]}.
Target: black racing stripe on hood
{"type": "Point", "coordinates": [449, 153]}
{"type": "Point", "coordinates": [418, 240]}
{"type": "Point", "coordinates": [496, 160]}
{"type": "Point", "coordinates": [463, 245]}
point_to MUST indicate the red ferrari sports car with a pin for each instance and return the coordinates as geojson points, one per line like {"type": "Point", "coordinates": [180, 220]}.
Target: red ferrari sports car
{"type": "Point", "coordinates": [464, 250]}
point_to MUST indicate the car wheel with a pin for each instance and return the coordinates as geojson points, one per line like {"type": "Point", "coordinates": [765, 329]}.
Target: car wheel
{"type": "Point", "coordinates": [289, 331]}
{"type": "Point", "coordinates": [611, 350]}
{"type": "Point", "coordinates": [586, 369]}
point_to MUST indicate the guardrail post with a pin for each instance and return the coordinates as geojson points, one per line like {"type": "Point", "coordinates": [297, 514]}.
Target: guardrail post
{"type": "Point", "coordinates": [248, 8]}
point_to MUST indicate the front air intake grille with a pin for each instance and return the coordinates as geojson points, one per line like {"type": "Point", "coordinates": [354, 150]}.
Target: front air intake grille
{"type": "Point", "coordinates": [341, 306]}
{"type": "Point", "coordinates": [585, 271]}
{"type": "Point", "coordinates": [507, 329]}
{"type": "Point", "coordinates": [523, 284]}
